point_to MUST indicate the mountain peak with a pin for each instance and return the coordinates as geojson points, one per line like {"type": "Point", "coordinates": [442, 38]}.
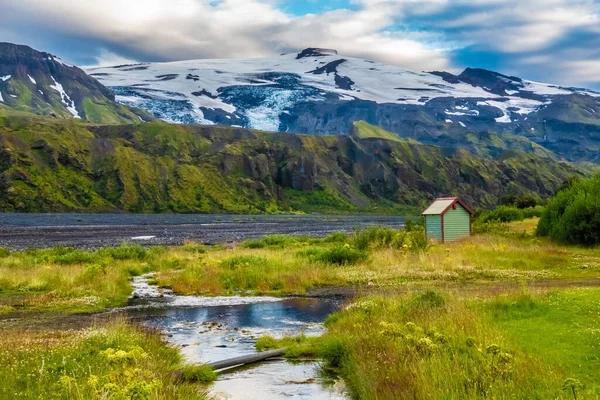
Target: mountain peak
{"type": "Point", "coordinates": [40, 83]}
{"type": "Point", "coordinates": [480, 73]}
{"type": "Point", "coordinates": [316, 52]}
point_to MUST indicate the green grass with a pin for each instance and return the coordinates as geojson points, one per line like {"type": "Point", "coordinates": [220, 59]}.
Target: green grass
{"type": "Point", "coordinates": [78, 281]}
{"type": "Point", "coordinates": [114, 360]}
{"type": "Point", "coordinates": [435, 345]}
{"type": "Point", "coordinates": [73, 280]}
{"type": "Point", "coordinates": [410, 339]}
{"type": "Point", "coordinates": [560, 327]}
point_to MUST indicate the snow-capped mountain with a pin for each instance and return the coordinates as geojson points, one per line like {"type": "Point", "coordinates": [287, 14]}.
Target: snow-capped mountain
{"type": "Point", "coordinates": [318, 91]}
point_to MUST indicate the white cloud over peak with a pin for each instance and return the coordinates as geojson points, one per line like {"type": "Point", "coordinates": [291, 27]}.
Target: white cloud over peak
{"type": "Point", "coordinates": [556, 39]}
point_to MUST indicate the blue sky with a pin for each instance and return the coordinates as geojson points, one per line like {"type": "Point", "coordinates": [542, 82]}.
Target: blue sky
{"type": "Point", "coordinates": [555, 41]}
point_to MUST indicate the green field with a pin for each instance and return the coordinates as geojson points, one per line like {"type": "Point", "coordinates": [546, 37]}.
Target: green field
{"type": "Point", "coordinates": [500, 315]}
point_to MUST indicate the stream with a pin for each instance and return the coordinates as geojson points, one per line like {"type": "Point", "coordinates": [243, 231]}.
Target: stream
{"type": "Point", "coordinates": [216, 328]}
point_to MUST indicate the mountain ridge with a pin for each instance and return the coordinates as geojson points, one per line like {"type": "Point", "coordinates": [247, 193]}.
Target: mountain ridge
{"type": "Point", "coordinates": [41, 83]}
{"type": "Point", "coordinates": [318, 91]}
{"type": "Point", "coordinates": [65, 165]}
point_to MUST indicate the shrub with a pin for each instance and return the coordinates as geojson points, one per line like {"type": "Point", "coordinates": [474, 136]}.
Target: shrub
{"type": "Point", "coordinates": [412, 238]}
{"type": "Point", "coordinates": [336, 237]}
{"type": "Point", "coordinates": [521, 201]}
{"type": "Point", "coordinates": [411, 225]}
{"type": "Point", "coordinates": [73, 257]}
{"type": "Point", "coordinates": [510, 214]}
{"type": "Point", "coordinates": [4, 252]}
{"type": "Point", "coordinates": [573, 216]}
{"type": "Point", "coordinates": [429, 300]}
{"type": "Point", "coordinates": [193, 247]}
{"type": "Point", "coordinates": [274, 242]}
{"type": "Point", "coordinates": [340, 255]}
{"type": "Point", "coordinates": [378, 237]}
{"type": "Point", "coordinates": [125, 252]}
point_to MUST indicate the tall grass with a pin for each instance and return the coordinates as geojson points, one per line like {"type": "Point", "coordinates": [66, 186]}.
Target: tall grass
{"type": "Point", "coordinates": [436, 346]}
{"type": "Point", "coordinates": [111, 361]}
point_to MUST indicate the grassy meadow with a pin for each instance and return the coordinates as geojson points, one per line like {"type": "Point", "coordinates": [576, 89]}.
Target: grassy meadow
{"type": "Point", "coordinates": [63, 279]}
{"type": "Point", "coordinates": [445, 345]}
{"type": "Point", "coordinates": [501, 315]}
{"type": "Point", "coordinates": [113, 360]}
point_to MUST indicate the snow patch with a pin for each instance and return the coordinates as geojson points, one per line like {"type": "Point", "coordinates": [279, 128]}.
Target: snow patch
{"type": "Point", "coordinates": [505, 119]}
{"type": "Point", "coordinates": [5, 78]}
{"type": "Point", "coordinates": [449, 121]}
{"type": "Point", "coordinates": [32, 80]}
{"type": "Point", "coordinates": [1, 98]}
{"type": "Point", "coordinates": [58, 60]}
{"type": "Point", "coordinates": [373, 81]}
{"type": "Point", "coordinates": [462, 124]}
{"type": "Point", "coordinates": [68, 103]}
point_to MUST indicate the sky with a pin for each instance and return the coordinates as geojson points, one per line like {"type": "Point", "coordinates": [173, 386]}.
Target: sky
{"type": "Point", "coordinates": [555, 41]}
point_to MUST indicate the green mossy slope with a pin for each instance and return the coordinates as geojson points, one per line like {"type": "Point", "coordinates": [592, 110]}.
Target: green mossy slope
{"type": "Point", "coordinates": [50, 165]}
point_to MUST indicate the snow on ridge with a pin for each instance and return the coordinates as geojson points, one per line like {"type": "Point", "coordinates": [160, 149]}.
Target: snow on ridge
{"type": "Point", "coordinates": [58, 60]}
{"type": "Point", "coordinates": [1, 98]}
{"type": "Point", "coordinates": [373, 81]}
{"type": "Point", "coordinates": [68, 103]}
{"type": "Point", "coordinates": [5, 78]}
{"type": "Point", "coordinates": [32, 80]}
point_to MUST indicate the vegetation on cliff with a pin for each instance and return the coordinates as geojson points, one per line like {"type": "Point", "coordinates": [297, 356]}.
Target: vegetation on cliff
{"type": "Point", "coordinates": [49, 165]}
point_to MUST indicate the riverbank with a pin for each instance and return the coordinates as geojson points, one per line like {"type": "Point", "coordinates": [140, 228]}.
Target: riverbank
{"type": "Point", "coordinates": [94, 231]}
{"type": "Point", "coordinates": [525, 344]}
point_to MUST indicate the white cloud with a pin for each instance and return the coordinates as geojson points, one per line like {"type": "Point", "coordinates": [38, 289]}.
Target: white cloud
{"type": "Point", "coordinates": [107, 58]}
{"type": "Point", "coordinates": [182, 29]}
{"type": "Point", "coordinates": [424, 32]}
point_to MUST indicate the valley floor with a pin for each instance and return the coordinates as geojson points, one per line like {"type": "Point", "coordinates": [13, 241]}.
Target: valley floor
{"type": "Point", "coordinates": [500, 315]}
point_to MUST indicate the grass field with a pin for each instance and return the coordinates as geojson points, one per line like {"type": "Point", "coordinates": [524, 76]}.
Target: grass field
{"type": "Point", "coordinates": [436, 345]}
{"type": "Point", "coordinates": [114, 360]}
{"type": "Point", "coordinates": [500, 315]}
{"type": "Point", "coordinates": [78, 281]}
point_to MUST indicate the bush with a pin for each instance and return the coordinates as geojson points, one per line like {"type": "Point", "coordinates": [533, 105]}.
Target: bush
{"type": "Point", "coordinates": [336, 237]}
{"type": "Point", "coordinates": [412, 238]}
{"type": "Point", "coordinates": [340, 255]}
{"type": "Point", "coordinates": [573, 216]}
{"type": "Point", "coordinates": [521, 201]}
{"type": "Point", "coordinates": [510, 214]}
{"type": "Point", "coordinates": [274, 242]}
{"type": "Point", "coordinates": [378, 237]}
{"type": "Point", "coordinates": [125, 252]}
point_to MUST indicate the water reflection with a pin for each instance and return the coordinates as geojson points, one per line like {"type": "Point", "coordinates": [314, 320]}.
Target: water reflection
{"type": "Point", "coordinates": [224, 331]}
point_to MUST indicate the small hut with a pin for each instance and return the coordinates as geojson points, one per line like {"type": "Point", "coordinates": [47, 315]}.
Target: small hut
{"type": "Point", "coordinates": [448, 219]}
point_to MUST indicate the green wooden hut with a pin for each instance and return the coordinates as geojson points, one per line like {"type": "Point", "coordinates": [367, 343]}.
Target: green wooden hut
{"type": "Point", "coordinates": [448, 219]}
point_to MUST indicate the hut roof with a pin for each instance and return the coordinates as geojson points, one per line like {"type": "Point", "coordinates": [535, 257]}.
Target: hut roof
{"type": "Point", "coordinates": [440, 206]}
